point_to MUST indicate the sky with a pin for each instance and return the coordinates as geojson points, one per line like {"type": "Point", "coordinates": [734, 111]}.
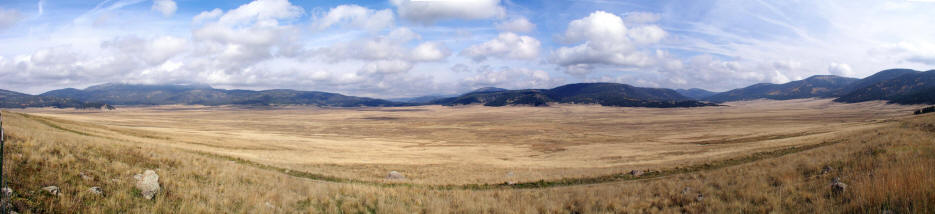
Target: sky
{"type": "Point", "coordinates": [407, 48]}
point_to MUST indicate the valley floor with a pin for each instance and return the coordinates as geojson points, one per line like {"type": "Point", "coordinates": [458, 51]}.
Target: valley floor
{"type": "Point", "coordinates": [757, 156]}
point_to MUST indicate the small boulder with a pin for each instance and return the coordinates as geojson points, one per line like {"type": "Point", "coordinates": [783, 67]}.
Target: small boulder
{"type": "Point", "coordinates": [54, 190]}
{"type": "Point", "coordinates": [826, 170]}
{"type": "Point", "coordinates": [394, 175]}
{"type": "Point", "coordinates": [147, 183]}
{"type": "Point", "coordinates": [96, 190]}
{"type": "Point", "coordinates": [700, 197]}
{"type": "Point", "coordinates": [636, 173]}
{"type": "Point", "coordinates": [86, 177]}
{"type": "Point", "coordinates": [838, 187]}
{"type": "Point", "coordinates": [7, 195]}
{"type": "Point", "coordinates": [686, 190]}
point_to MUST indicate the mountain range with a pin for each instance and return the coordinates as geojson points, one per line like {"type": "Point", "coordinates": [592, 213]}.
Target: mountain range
{"type": "Point", "coordinates": [903, 86]}
{"type": "Point", "coordinates": [606, 94]}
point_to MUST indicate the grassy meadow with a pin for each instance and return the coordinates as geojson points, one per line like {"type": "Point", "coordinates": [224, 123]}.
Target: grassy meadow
{"type": "Point", "coordinates": [758, 156]}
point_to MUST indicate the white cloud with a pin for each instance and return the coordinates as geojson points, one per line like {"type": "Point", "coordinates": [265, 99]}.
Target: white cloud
{"type": "Point", "coordinates": [150, 51]}
{"type": "Point", "coordinates": [512, 78]}
{"type": "Point", "coordinates": [427, 12]}
{"type": "Point", "coordinates": [430, 51]}
{"type": "Point", "coordinates": [507, 45]}
{"type": "Point", "coordinates": [641, 17]}
{"type": "Point", "coordinates": [386, 67]}
{"type": "Point", "coordinates": [207, 15]}
{"type": "Point", "coordinates": [517, 25]}
{"type": "Point", "coordinates": [261, 11]}
{"type": "Point", "coordinates": [357, 16]}
{"type": "Point", "coordinates": [840, 69]}
{"type": "Point", "coordinates": [606, 41]}
{"type": "Point", "coordinates": [9, 17]}
{"type": "Point", "coordinates": [166, 7]}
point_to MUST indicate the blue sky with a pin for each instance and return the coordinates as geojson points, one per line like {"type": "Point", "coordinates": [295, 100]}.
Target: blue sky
{"type": "Point", "coordinates": [402, 48]}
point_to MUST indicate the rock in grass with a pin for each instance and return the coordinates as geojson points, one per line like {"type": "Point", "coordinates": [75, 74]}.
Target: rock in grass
{"type": "Point", "coordinates": [7, 195]}
{"type": "Point", "coordinates": [147, 183]}
{"type": "Point", "coordinates": [700, 197]}
{"type": "Point", "coordinates": [636, 173]}
{"type": "Point", "coordinates": [838, 187]}
{"type": "Point", "coordinates": [826, 170]}
{"type": "Point", "coordinates": [96, 190]}
{"type": "Point", "coordinates": [54, 190]}
{"type": "Point", "coordinates": [394, 175]}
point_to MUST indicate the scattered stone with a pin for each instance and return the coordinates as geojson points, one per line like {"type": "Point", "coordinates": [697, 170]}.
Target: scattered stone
{"type": "Point", "coordinates": [826, 170]}
{"type": "Point", "coordinates": [394, 175]}
{"type": "Point", "coordinates": [700, 197]}
{"type": "Point", "coordinates": [147, 183]}
{"type": "Point", "coordinates": [686, 190]}
{"type": "Point", "coordinates": [96, 190]}
{"type": "Point", "coordinates": [86, 177]}
{"type": "Point", "coordinates": [54, 190]}
{"type": "Point", "coordinates": [270, 205]}
{"type": "Point", "coordinates": [115, 180]}
{"type": "Point", "coordinates": [838, 187]}
{"type": "Point", "coordinates": [6, 197]}
{"type": "Point", "coordinates": [636, 173]}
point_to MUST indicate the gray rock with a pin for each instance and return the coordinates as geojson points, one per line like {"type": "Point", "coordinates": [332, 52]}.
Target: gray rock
{"type": "Point", "coordinates": [86, 177]}
{"type": "Point", "coordinates": [394, 175]}
{"type": "Point", "coordinates": [636, 173]}
{"type": "Point", "coordinates": [6, 197]}
{"type": "Point", "coordinates": [686, 190]}
{"type": "Point", "coordinates": [54, 190]}
{"type": "Point", "coordinates": [838, 187]}
{"type": "Point", "coordinates": [826, 170]}
{"type": "Point", "coordinates": [96, 190]}
{"type": "Point", "coordinates": [147, 183]}
{"type": "Point", "coordinates": [700, 197]}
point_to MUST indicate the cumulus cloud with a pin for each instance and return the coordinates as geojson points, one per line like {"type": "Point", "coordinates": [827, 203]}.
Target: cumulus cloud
{"type": "Point", "coordinates": [166, 7]}
{"type": "Point", "coordinates": [518, 25]}
{"type": "Point", "coordinates": [357, 16]}
{"type": "Point", "coordinates": [149, 51]}
{"type": "Point", "coordinates": [427, 12]}
{"type": "Point", "coordinates": [386, 66]}
{"type": "Point", "coordinates": [506, 77]}
{"type": "Point", "coordinates": [840, 69]}
{"type": "Point", "coordinates": [509, 45]}
{"type": "Point", "coordinates": [605, 40]}
{"type": "Point", "coordinates": [9, 17]}
{"type": "Point", "coordinates": [430, 51]}
{"type": "Point", "coordinates": [261, 11]}
{"type": "Point", "coordinates": [207, 15]}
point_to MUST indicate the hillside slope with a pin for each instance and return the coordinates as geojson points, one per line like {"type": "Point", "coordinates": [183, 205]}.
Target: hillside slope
{"type": "Point", "coordinates": [128, 94]}
{"type": "Point", "coordinates": [908, 88]}
{"type": "Point", "coordinates": [816, 86]}
{"type": "Point", "coordinates": [12, 99]}
{"type": "Point", "coordinates": [606, 94]}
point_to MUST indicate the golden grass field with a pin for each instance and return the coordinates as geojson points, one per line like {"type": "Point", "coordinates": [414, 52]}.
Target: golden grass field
{"type": "Point", "coordinates": [754, 156]}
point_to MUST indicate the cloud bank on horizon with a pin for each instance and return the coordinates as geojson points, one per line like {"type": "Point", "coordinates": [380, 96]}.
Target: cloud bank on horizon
{"type": "Point", "coordinates": [401, 48]}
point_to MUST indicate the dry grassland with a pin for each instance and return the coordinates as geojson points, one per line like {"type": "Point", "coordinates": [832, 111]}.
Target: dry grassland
{"type": "Point", "coordinates": [760, 156]}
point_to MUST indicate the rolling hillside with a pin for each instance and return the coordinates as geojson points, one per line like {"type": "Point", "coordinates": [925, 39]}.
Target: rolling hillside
{"type": "Point", "coordinates": [128, 94]}
{"type": "Point", "coordinates": [816, 86]}
{"type": "Point", "coordinates": [607, 94]}
{"type": "Point", "coordinates": [907, 88]}
{"type": "Point", "coordinates": [12, 99]}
